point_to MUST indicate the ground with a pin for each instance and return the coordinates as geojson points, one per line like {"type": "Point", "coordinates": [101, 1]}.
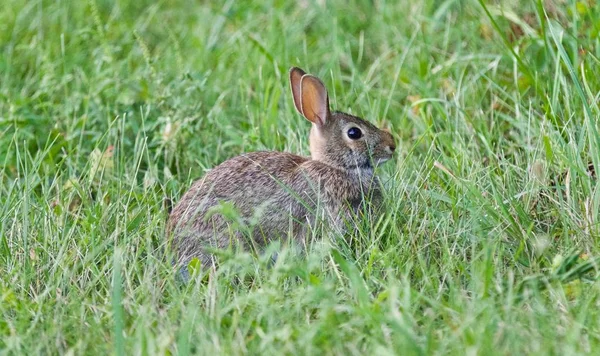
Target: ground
{"type": "Point", "coordinates": [489, 240]}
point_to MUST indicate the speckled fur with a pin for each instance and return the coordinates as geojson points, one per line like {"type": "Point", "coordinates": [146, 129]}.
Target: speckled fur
{"type": "Point", "coordinates": [284, 193]}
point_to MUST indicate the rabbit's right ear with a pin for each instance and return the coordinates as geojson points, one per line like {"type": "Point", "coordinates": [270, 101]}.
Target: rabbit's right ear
{"type": "Point", "coordinates": [296, 75]}
{"type": "Point", "coordinates": [315, 101]}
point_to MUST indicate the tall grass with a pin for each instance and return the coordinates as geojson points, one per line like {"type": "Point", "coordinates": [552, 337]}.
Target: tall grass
{"type": "Point", "coordinates": [489, 241]}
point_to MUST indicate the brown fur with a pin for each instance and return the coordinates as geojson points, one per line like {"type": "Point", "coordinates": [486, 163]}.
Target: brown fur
{"type": "Point", "coordinates": [284, 193]}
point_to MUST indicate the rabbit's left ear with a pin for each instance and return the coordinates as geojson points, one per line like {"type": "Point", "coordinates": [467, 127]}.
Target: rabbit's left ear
{"type": "Point", "coordinates": [296, 75]}
{"type": "Point", "coordinates": [314, 99]}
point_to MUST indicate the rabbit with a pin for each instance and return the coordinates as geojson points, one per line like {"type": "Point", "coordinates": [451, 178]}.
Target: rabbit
{"type": "Point", "coordinates": [281, 194]}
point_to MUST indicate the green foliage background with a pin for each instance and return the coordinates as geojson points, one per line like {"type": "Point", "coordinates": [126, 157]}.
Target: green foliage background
{"type": "Point", "coordinates": [490, 238]}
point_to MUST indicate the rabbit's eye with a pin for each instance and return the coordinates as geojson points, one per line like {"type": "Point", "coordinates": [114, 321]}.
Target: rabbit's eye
{"type": "Point", "coordinates": [354, 133]}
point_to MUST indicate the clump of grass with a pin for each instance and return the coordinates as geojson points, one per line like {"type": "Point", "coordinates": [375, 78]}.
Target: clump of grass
{"type": "Point", "coordinates": [489, 239]}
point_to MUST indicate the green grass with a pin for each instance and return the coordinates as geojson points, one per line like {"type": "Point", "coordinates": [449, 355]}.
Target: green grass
{"type": "Point", "coordinates": [489, 243]}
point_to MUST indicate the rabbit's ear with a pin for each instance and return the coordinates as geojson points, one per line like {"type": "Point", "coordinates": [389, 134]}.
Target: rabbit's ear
{"type": "Point", "coordinates": [315, 102]}
{"type": "Point", "coordinates": [296, 75]}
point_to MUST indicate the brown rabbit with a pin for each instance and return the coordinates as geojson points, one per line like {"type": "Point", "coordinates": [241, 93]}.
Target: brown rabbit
{"type": "Point", "coordinates": [281, 193]}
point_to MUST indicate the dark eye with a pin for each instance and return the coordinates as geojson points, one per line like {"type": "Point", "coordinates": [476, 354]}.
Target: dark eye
{"type": "Point", "coordinates": [354, 133]}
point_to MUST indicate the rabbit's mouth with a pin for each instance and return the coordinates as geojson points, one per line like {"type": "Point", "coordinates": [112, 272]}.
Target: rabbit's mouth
{"type": "Point", "coordinates": [382, 160]}
{"type": "Point", "coordinates": [374, 162]}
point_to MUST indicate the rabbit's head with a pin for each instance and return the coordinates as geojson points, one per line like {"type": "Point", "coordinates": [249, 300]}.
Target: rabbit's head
{"type": "Point", "coordinates": [336, 138]}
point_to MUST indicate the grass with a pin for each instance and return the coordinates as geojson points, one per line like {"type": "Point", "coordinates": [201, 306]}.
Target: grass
{"type": "Point", "coordinates": [489, 242]}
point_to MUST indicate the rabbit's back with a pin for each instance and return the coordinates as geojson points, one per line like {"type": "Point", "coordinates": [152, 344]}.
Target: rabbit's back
{"type": "Point", "coordinates": [260, 188]}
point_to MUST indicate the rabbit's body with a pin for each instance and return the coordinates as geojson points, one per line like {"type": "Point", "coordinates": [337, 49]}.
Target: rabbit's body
{"type": "Point", "coordinates": [278, 195]}
{"type": "Point", "coordinates": [286, 193]}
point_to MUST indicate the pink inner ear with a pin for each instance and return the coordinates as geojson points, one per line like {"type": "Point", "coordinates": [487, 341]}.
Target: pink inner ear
{"type": "Point", "coordinates": [315, 117]}
{"type": "Point", "coordinates": [315, 103]}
